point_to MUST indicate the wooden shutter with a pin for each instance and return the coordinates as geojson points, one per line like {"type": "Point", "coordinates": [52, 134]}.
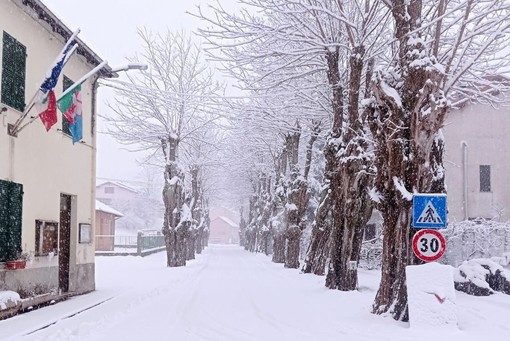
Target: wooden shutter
{"type": "Point", "coordinates": [11, 208]}
{"type": "Point", "coordinates": [14, 58]}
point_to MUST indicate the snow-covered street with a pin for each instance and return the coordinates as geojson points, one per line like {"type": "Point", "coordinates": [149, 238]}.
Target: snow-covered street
{"type": "Point", "coordinates": [230, 294]}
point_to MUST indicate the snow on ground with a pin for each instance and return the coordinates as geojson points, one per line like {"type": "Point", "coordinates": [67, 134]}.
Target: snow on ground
{"type": "Point", "coordinates": [230, 294]}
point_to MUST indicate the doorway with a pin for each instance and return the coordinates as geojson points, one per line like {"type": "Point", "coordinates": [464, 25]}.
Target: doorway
{"type": "Point", "coordinates": [64, 242]}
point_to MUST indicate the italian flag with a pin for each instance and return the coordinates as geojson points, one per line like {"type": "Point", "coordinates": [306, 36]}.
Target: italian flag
{"type": "Point", "coordinates": [71, 106]}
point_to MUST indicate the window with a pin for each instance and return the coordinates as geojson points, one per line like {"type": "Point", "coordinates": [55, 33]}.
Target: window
{"type": "Point", "coordinates": [485, 178]}
{"type": "Point", "coordinates": [14, 59]}
{"type": "Point", "coordinates": [370, 232]}
{"type": "Point", "coordinates": [46, 237]}
{"type": "Point", "coordinates": [109, 190]}
{"type": "Point", "coordinates": [11, 209]}
{"type": "Point", "coordinates": [67, 82]}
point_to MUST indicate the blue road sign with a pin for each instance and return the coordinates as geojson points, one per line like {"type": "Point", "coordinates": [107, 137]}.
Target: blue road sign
{"type": "Point", "coordinates": [429, 211]}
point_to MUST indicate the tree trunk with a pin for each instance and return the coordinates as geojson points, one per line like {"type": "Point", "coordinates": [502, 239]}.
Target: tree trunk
{"type": "Point", "coordinates": [279, 248]}
{"type": "Point", "coordinates": [349, 167]}
{"type": "Point", "coordinates": [319, 248]}
{"type": "Point", "coordinates": [293, 236]}
{"type": "Point", "coordinates": [173, 198]}
{"type": "Point", "coordinates": [408, 153]}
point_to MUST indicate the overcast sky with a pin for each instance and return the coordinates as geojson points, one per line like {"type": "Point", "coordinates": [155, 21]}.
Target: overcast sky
{"type": "Point", "coordinates": [109, 27]}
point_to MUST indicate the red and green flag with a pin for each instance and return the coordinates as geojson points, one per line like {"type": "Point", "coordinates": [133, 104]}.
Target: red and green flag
{"type": "Point", "coordinates": [71, 106]}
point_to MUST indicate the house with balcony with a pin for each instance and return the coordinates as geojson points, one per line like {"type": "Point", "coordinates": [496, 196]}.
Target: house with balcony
{"type": "Point", "coordinates": [47, 183]}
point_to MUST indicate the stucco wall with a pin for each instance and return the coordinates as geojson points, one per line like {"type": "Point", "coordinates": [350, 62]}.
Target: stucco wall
{"type": "Point", "coordinates": [486, 131]}
{"type": "Point", "coordinates": [47, 163]}
{"type": "Point", "coordinates": [223, 233]}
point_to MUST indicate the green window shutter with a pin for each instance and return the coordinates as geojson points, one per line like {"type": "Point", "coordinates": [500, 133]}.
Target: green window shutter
{"type": "Point", "coordinates": [65, 123]}
{"type": "Point", "coordinates": [14, 59]}
{"type": "Point", "coordinates": [11, 208]}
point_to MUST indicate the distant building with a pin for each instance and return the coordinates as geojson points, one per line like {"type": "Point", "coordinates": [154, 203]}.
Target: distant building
{"type": "Point", "coordinates": [115, 193]}
{"type": "Point", "coordinates": [141, 209]}
{"type": "Point", "coordinates": [219, 211]}
{"type": "Point", "coordinates": [223, 231]}
{"type": "Point", "coordinates": [105, 226]}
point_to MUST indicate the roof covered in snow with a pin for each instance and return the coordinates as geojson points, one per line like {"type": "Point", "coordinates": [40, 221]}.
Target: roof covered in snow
{"type": "Point", "coordinates": [107, 209]}
{"type": "Point", "coordinates": [228, 221]}
{"type": "Point", "coordinates": [118, 184]}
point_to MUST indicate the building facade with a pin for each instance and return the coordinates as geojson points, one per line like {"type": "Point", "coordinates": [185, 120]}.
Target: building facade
{"type": "Point", "coordinates": [105, 226]}
{"type": "Point", "coordinates": [45, 180]}
{"type": "Point", "coordinates": [222, 230]}
{"type": "Point", "coordinates": [477, 137]}
{"type": "Point", "coordinates": [116, 193]}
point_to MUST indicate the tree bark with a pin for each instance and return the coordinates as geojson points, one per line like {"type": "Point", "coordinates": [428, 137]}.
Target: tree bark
{"type": "Point", "coordinates": [173, 198]}
{"type": "Point", "coordinates": [319, 248]}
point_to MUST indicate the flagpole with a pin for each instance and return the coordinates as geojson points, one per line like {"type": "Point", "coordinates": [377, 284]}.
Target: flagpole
{"type": "Point", "coordinates": [71, 88]}
{"type": "Point", "coordinates": [31, 103]}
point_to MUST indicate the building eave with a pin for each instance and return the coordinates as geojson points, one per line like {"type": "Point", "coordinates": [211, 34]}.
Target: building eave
{"type": "Point", "coordinates": [44, 14]}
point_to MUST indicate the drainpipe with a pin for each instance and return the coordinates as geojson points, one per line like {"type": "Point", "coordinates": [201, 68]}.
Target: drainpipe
{"type": "Point", "coordinates": [464, 146]}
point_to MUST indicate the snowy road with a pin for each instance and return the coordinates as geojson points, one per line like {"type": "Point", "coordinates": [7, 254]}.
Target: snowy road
{"type": "Point", "coordinates": [230, 294]}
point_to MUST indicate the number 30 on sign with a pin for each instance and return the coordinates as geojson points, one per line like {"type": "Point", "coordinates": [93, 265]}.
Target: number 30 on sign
{"type": "Point", "coordinates": [429, 245]}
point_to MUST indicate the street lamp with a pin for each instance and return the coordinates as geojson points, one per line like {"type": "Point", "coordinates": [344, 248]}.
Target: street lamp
{"type": "Point", "coordinates": [130, 66]}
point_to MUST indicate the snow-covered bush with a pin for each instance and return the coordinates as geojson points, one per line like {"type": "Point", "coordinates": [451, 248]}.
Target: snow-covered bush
{"type": "Point", "coordinates": [475, 239]}
{"type": "Point", "coordinates": [9, 299]}
{"type": "Point", "coordinates": [482, 277]}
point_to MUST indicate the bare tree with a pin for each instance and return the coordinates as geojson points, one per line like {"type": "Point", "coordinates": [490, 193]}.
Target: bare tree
{"type": "Point", "coordinates": [167, 106]}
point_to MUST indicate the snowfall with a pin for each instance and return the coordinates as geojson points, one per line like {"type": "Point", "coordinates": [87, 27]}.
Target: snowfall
{"type": "Point", "coordinates": [228, 293]}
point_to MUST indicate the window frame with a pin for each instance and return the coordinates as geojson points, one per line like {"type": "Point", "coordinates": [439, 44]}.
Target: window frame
{"type": "Point", "coordinates": [485, 178]}
{"type": "Point", "coordinates": [14, 64]}
{"type": "Point", "coordinates": [109, 190]}
{"type": "Point", "coordinates": [40, 243]}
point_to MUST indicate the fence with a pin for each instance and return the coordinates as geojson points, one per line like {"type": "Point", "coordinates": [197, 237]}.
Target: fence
{"type": "Point", "coordinates": [475, 239]}
{"type": "Point", "coordinates": [143, 244]}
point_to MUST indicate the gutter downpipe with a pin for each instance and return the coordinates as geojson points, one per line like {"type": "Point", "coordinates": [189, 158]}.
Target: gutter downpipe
{"type": "Point", "coordinates": [464, 147]}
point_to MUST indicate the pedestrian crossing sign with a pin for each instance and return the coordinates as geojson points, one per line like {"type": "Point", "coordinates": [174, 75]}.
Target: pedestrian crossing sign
{"type": "Point", "coordinates": [429, 211]}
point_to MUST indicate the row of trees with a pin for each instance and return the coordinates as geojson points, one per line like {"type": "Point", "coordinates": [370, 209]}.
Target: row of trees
{"type": "Point", "coordinates": [343, 114]}
{"type": "Point", "coordinates": [372, 81]}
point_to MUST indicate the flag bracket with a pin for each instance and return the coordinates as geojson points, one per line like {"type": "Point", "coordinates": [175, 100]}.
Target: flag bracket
{"type": "Point", "coordinates": [11, 130]}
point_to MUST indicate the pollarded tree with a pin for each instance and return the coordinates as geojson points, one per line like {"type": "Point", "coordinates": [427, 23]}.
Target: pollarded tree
{"type": "Point", "coordinates": [169, 104]}
{"type": "Point", "coordinates": [444, 52]}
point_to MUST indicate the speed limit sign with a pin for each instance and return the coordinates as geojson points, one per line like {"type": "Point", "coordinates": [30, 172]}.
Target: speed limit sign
{"type": "Point", "coordinates": [429, 245]}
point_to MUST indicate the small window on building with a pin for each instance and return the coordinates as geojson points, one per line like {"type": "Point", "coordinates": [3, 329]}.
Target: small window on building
{"type": "Point", "coordinates": [67, 82]}
{"type": "Point", "coordinates": [109, 190]}
{"type": "Point", "coordinates": [14, 58]}
{"type": "Point", "coordinates": [485, 178]}
{"type": "Point", "coordinates": [46, 237]}
{"type": "Point", "coordinates": [370, 232]}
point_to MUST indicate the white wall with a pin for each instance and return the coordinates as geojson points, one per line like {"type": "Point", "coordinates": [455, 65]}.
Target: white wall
{"type": "Point", "coordinates": [487, 133]}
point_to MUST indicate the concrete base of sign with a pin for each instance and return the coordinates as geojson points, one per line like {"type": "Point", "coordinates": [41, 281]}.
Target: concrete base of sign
{"type": "Point", "coordinates": [431, 296]}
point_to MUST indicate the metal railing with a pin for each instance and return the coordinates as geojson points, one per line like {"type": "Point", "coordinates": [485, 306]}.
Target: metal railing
{"type": "Point", "coordinates": [144, 243]}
